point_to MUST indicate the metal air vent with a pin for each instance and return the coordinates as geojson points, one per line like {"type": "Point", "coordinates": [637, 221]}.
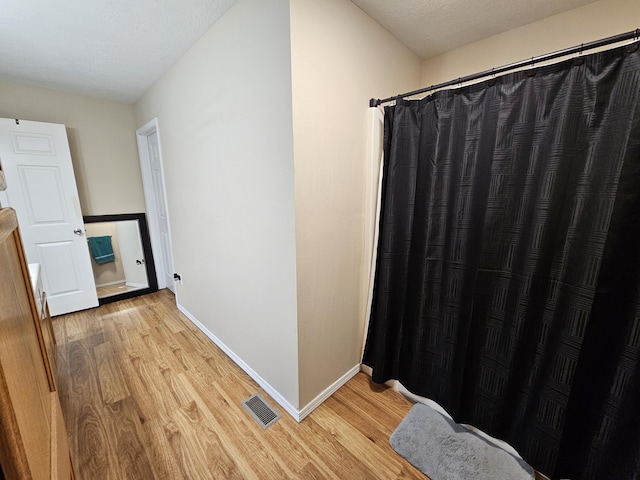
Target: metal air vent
{"type": "Point", "coordinates": [259, 409]}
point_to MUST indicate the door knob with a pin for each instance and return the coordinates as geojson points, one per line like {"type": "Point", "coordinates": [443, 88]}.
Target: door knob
{"type": "Point", "coordinates": [77, 231]}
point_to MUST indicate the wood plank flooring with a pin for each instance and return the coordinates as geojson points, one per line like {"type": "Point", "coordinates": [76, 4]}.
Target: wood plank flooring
{"type": "Point", "coordinates": [115, 289]}
{"type": "Point", "coordinates": [146, 395]}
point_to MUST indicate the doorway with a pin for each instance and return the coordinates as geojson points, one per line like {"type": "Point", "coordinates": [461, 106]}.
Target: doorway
{"type": "Point", "coordinates": [150, 151]}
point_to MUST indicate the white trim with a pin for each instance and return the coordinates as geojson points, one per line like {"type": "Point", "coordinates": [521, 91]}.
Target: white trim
{"type": "Point", "coordinates": [291, 410]}
{"type": "Point", "coordinates": [110, 283]}
{"type": "Point", "coordinates": [128, 284]}
{"type": "Point", "coordinates": [298, 415]}
{"type": "Point", "coordinates": [327, 392]}
{"type": "Point", "coordinates": [148, 186]}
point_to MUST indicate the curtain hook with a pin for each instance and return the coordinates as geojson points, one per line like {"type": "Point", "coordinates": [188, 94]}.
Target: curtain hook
{"type": "Point", "coordinates": [532, 71]}
{"type": "Point", "coordinates": [579, 60]}
{"type": "Point", "coordinates": [459, 89]}
{"type": "Point", "coordinates": [492, 80]}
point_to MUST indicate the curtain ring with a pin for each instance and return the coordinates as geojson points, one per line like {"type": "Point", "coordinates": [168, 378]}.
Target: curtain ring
{"type": "Point", "coordinates": [579, 60]}
{"type": "Point", "coordinates": [459, 89]}
{"type": "Point", "coordinates": [532, 71]}
{"type": "Point", "coordinates": [430, 92]}
{"type": "Point", "coordinates": [492, 80]}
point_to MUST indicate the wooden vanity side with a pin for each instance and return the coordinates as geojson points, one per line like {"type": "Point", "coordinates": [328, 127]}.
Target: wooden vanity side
{"type": "Point", "coordinates": [32, 433]}
{"type": "Point", "coordinates": [49, 338]}
{"type": "Point", "coordinates": [60, 460]}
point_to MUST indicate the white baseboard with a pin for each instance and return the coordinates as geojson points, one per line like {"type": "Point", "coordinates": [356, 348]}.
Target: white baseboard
{"type": "Point", "coordinates": [298, 415]}
{"type": "Point", "coordinates": [108, 284]}
{"type": "Point", "coordinates": [291, 410]}
{"type": "Point", "coordinates": [327, 392]}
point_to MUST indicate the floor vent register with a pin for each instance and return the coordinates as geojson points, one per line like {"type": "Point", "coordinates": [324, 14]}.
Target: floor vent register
{"type": "Point", "coordinates": [259, 409]}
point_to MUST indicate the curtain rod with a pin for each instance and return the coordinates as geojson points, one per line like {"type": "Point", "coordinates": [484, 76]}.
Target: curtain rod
{"type": "Point", "coordinates": [634, 34]}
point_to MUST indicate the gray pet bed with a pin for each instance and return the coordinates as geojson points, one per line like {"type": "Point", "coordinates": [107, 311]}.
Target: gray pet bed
{"type": "Point", "coordinates": [445, 450]}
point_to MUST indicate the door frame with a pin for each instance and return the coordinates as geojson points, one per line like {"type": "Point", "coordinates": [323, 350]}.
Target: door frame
{"type": "Point", "coordinates": [150, 195]}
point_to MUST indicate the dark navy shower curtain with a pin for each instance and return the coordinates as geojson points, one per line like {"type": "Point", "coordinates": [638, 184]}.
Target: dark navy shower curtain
{"type": "Point", "coordinates": [507, 285]}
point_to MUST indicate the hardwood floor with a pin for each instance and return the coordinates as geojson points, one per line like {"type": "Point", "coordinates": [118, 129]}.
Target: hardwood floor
{"type": "Point", "coordinates": [115, 289]}
{"type": "Point", "coordinates": [146, 395]}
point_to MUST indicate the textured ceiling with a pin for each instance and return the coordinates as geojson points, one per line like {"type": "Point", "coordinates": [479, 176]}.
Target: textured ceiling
{"type": "Point", "coordinates": [431, 27]}
{"type": "Point", "coordinates": [114, 49]}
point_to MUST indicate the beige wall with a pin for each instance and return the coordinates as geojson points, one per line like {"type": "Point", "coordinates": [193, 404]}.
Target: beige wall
{"type": "Point", "coordinates": [227, 132]}
{"type": "Point", "coordinates": [102, 141]}
{"type": "Point", "coordinates": [225, 123]}
{"type": "Point", "coordinates": [110, 272]}
{"type": "Point", "coordinates": [340, 59]}
{"type": "Point", "coordinates": [581, 25]}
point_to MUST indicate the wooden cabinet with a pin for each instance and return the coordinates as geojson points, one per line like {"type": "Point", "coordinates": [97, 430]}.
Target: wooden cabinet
{"type": "Point", "coordinates": [33, 439]}
{"type": "Point", "coordinates": [46, 326]}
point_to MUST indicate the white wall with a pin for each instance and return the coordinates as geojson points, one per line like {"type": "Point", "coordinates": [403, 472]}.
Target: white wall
{"type": "Point", "coordinates": [102, 141]}
{"type": "Point", "coordinates": [340, 59]}
{"type": "Point", "coordinates": [591, 22]}
{"type": "Point", "coordinates": [225, 123]}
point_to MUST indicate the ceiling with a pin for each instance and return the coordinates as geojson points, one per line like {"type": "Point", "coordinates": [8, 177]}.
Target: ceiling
{"type": "Point", "coordinates": [432, 27]}
{"type": "Point", "coordinates": [117, 49]}
{"type": "Point", "coordinates": [113, 49]}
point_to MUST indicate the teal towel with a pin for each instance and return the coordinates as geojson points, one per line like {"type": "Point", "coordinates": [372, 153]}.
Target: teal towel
{"type": "Point", "coordinates": [101, 249]}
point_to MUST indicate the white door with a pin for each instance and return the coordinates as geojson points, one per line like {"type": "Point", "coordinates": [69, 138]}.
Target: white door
{"type": "Point", "coordinates": [41, 187]}
{"type": "Point", "coordinates": [133, 262]}
{"type": "Point", "coordinates": [155, 198]}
